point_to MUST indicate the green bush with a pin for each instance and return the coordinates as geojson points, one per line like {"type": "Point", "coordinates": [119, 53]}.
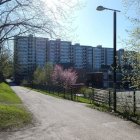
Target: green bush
{"type": "Point", "coordinates": [87, 92]}
{"type": "Point", "coordinates": [24, 83]}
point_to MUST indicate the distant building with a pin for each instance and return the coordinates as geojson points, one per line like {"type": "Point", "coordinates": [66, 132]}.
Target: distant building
{"type": "Point", "coordinates": [30, 52]}
{"type": "Point", "coordinates": [24, 56]}
{"type": "Point", "coordinates": [40, 51]}
{"type": "Point", "coordinates": [102, 56]}
{"type": "Point", "coordinates": [83, 57]}
{"type": "Point", "coordinates": [120, 54]}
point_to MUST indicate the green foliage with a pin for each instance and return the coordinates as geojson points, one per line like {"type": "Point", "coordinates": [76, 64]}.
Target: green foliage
{"type": "Point", "coordinates": [1, 76]}
{"type": "Point", "coordinates": [84, 100]}
{"type": "Point", "coordinates": [48, 73]}
{"type": "Point", "coordinates": [6, 64]}
{"type": "Point", "coordinates": [39, 76]}
{"type": "Point", "coordinates": [131, 68]}
{"type": "Point", "coordinates": [87, 92]}
{"type": "Point", "coordinates": [13, 116]}
{"type": "Point", "coordinates": [100, 107]}
{"type": "Point", "coordinates": [24, 82]}
{"type": "Point", "coordinates": [82, 90]}
{"type": "Point", "coordinates": [12, 112]}
{"type": "Point", "coordinates": [43, 75]}
{"type": "Point", "coordinates": [61, 95]}
{"type": "Point", "coordinates": [7, 95]}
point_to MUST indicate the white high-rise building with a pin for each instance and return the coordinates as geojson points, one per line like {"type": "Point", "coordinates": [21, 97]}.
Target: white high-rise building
{"type": "Point", "coordinates": [97, 54]}
{"type": "Point", "coordinates": [109, 56]}
{"type": "Point", "coordinates": [89, 58]}
{"type": "Point", "coordinates": [59, 51]}
{"type": "Point", "coordinates": [102, 56]}
{"type": "Point", "coordinates": [78, 56]}
{"type": "Point", "coordinates": [83, 57]}
{"type": "Point", "coordinates": [24, 56]}
{"type": "Point", "coordinates": [30, 52]}
{"type": "Point", "coordinates": [41, 51]}
{"type": "Point", "coordinates": [120, 54]}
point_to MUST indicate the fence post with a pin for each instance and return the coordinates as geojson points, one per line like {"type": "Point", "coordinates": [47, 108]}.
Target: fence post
{"type": "Point", "coordinates": [109, 101]}
{"type": "Point", "coordinates": [93, 91]}
{"type": "Point", "coordinates": [64, 91]}
{"type": "Point", "coordinates": [134, 102]}
{"type": "Point", "coordinates": [71, 92]}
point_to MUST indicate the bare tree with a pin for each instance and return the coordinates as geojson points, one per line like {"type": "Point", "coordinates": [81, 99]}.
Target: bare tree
{"type": "Point", "coordinates": [18, 17]}
{"type": "Point", "coordinates": [132, 6]}
{"type": "Point", "coordinates": [22, 17]}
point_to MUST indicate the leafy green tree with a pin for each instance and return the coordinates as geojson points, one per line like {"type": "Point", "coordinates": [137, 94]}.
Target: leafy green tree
{"type": "Point", "coordinates": [42, 76]}
{"type": "Point", "coordinates": [131, 65]}
{"type": "Point", "coordinates": [48, 73]}
{"type": "Point", "coordinates": [6, 64]}
{"type": "Point", "coordinates": [39, 76]}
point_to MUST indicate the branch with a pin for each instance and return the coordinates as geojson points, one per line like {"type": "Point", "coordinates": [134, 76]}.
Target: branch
{"type": "Point", "coordinates": [2, 2]}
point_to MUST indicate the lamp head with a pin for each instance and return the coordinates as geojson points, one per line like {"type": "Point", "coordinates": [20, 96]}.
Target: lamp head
{"type": "Point", "coordinates": [100, 8]}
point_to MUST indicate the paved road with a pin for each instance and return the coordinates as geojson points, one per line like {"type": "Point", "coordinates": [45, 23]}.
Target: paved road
{"type": "Point", "coordinates": [59, 119]}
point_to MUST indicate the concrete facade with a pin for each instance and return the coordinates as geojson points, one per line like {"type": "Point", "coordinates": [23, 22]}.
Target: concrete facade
{"type": "Point", "coordinates": [30, 52]}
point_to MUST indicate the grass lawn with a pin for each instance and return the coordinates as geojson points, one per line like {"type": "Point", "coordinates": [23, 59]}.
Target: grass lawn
{"type": "Point", "coordinates": [12, 112]}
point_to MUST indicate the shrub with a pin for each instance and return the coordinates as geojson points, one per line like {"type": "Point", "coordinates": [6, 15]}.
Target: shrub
{"type": "Point", "coordinates": [25, 83]}
{"type": "Point", "coordinates": [87, 92]}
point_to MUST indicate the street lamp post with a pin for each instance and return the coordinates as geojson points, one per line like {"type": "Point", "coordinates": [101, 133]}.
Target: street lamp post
{"type": "Point", "coordinates": [101, 8]}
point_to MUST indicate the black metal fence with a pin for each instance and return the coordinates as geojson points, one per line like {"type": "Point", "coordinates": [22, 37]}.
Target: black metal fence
{"type": "Point", "coordinates": [128, 102]}
{"type": "Point", "coordinates": [70, 93]}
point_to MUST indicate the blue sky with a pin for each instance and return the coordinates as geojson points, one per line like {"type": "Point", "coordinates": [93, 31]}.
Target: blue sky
{"type": "Point", "coordinates": [96, 27]}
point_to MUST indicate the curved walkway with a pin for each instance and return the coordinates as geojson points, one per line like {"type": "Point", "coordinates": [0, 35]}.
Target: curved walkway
{"type": "Point", "coordinates": [59, 119]}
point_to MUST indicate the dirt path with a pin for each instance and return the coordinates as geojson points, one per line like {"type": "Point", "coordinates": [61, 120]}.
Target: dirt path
{"type": "Point", "coordinates": [59, 119]}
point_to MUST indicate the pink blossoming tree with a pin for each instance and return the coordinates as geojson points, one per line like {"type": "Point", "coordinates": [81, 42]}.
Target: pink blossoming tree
{"type": "Point", "coordinates": [69, 78]}
{"type": "Point", "coordinates": [64, 78]}
{"type": "Point", "coordinates": [57, 75]}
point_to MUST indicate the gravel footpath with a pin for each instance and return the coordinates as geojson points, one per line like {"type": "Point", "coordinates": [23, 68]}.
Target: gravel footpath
{"type": "Point", "coordinates": [58, 119]}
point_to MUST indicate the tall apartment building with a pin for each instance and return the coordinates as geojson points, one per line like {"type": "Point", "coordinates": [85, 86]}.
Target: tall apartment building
{"type": "Point", "coordinates": [59, 51]}
{"type": "Point", "coordinates": [89, 58]}
{"type": "Point", "coordinates": [97, 51]}
{"type": "Point", "coordinates": [102, 56]}
{"type": "Point", "coordinates": [30, 52]}
{"type": "Point", "coordinates": [82, 57]}
{"type": "Point", "coordinates": [79, 58]}
{"type": "Point", "coordinates": [40, 51]}
{"type": "Point", "coordinates": [24, 56]}
{"type": "Point", "coordinates": [120, 58]}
